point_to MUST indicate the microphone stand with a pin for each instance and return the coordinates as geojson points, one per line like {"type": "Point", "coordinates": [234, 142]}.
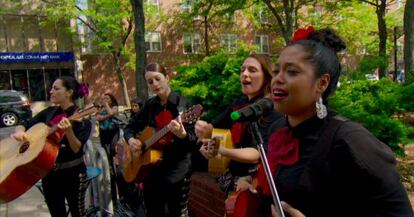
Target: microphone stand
{"type": "Point", "coordinates": [257, 137]}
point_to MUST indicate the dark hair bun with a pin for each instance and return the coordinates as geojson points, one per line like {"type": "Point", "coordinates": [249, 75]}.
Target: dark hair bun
{"type": "Point", "coordinates": [328, 38]}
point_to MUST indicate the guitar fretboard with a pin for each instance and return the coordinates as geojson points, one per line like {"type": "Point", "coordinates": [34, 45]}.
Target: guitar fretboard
{"type": "Point", "coordinates": [157, 136]}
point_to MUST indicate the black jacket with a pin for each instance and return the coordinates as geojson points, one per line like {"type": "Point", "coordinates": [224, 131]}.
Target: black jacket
{"type": "Point", "coordinates": [176, 157]}
{"type": "Point", "coordinates": [81, 129]}
{"type": "Point", "coordinates": [357, 178]}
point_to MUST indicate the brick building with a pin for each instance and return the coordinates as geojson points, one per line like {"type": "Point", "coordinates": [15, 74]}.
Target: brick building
{"type": "Point", "coordinates": [33, 53]}
{"type": "Point", "coordinates": [172, 43]}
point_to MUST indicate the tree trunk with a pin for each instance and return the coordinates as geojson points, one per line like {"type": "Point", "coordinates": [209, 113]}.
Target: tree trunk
{"type": "Point", "coordinates": [121, 77]}
{"type": "Point", "coordinates": [140, 50]}
{"type": "Point", "coordinates": [409, 40]}
{"type": "Point", "coordinates": [285, 23]}
{"type": "Point", "coordinates": [288, 9]}
{"type": "Point", "coordinates": [206, 42]}
{"type": "Point", "coordinates": [382, 31]}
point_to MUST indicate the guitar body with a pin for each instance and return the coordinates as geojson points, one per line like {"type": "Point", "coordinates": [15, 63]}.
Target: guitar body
{"type": "Point", "coordinates": [219, 166]}
{"type": "Point", "coordinates": [243, 204]}
{"type": "Point", "coordinates": [137, 168]}
{"type": "Point", "coordinates": [22, 164]}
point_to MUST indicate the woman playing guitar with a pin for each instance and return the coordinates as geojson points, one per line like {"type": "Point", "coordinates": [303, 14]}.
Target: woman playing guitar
{"type": "Point", "coordinates": [65, 180]}
{"type": "Point", "coordinates": [255, 76]}
{"type": "Point", "coordinates": [166, 184]}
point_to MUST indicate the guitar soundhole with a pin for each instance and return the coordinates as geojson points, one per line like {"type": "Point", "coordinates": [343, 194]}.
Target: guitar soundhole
{"type": "Point", "coordinates": [24, 147]}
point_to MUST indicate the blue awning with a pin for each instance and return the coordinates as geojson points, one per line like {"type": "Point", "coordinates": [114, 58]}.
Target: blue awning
{"type": "Point", "coordinates": [35, 57]}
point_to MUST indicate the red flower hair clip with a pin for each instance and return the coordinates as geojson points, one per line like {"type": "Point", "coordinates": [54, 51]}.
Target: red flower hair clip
{"type": "Point", "coordinates": [302, 34]}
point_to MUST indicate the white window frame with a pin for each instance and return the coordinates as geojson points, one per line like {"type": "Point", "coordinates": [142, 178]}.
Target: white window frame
{"type": "Point", "coordinates": [261, 44]}
{"type": "Point", "coordinates": [399, 3]}
{"type": "Point", "coordinates": [186, 6]}
{"type": "Point", "coordinates": [148, 39]}
{"type": "Point", "coordinates": [263, 16]}
{"type": "Point", "coordinates": [230, 17]}
{"type": "Point", "coordinates": [193, 40]}
{"type": "Point", "coordinates": [232, 45]}
{"type": "Point", "coordinates": [150, 3]}
{"type": "Point", "coordinates": [153, 3]}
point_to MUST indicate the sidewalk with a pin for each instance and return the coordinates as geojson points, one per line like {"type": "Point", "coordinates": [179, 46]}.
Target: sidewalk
{"type": "Point", "coordinates": [30, 203]}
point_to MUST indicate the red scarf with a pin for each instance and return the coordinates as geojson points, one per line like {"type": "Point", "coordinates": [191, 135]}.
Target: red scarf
{"type": "Point", "coordinates": [161, 120]}
{"type": "Point", "coordinates": [283, 149]}
{"type": "Point", "coordinates": [237, 129]}
{"type": "Point", "coordinates": [58, 135]}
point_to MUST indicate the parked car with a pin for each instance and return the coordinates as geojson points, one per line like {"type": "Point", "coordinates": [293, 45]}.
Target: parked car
{"type": "Point", "coordinates": [14, 108]}
{"type": "Point", "coordinates": [371, 77]}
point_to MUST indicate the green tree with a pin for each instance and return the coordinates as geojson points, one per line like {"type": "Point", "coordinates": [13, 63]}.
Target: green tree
{"type": "Point", "coordinates": [214, 82]}
{"type": "Point", "coordinates": [409, 40]}
{"type": "Point", "coordinates": [380, 10]}
{"type": "Point", "coordinates": [110, 22]}
{"type": "Point", "coordinates": [286, 13]}
{"type": "Point", "coordinates": [353, 21]}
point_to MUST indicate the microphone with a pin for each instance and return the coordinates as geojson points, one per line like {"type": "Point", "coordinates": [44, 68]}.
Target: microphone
{"type": "Point", "coordinates": [254, 111]}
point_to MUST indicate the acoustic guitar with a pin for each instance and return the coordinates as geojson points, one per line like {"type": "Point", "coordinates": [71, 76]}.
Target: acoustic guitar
{"type": "Point", "coordinates": [135, 168]}
{"type": "Point", "coordinates": [218, 166]}
{"type": "Point", "coordinates": [238, 203]}
{"type": "Point", "coordinates": [22, 164]}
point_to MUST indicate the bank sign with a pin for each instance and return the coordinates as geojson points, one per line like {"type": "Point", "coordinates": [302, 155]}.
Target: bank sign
{"type": "Point", "coordinates": [35, 57]}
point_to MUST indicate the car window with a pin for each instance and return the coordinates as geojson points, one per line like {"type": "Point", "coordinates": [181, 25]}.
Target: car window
{"type": "Point", "coordinates": [9, 98]}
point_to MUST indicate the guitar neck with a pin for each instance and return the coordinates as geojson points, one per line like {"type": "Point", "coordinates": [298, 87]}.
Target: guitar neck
{"type": "Point", "coordinates": [157, 136]}
{"type": "Point", "coordinates": [186, 117]}
{"type": "Point", "coordinates": [54, 128]}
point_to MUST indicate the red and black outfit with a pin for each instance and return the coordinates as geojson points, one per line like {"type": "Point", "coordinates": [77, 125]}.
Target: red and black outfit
{"type": "Point", "coordinates": [67, 179]}
{"type": "Point", "coordinates": [334, 167]}
{"type": "Point", "coordinates": [167, 185]}
{"type": "Point", "coordinates": [242, 138]}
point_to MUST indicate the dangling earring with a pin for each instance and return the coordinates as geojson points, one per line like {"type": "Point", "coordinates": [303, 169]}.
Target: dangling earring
{"type": "Point", "coordinates": [321, 111]}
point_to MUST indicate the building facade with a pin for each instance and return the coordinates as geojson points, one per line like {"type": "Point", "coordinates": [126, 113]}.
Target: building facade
{"type": "Point", "coordinates": [171, 41]}
{"type": "Point", "coordinates": [33, 52]}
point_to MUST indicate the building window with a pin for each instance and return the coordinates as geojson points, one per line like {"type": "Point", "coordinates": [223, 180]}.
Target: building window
{"type": "Point", "coordinates": [153, 41]}
{"type": "Point", "coordinates": [263, 16]}
{"type": "Point", "coordinates": [191, 43]}
{"type": "Point", "coordinates": [153, 2]}
{"type": "Point", "coordinates": [399, 3]}
{"type": "Point", "coordinates": [229, 42]}
{"type": "Point", "coordinates": [5, 82]}
{"type": "Point", "coordinates": [152, 6]}
{"type": "Point", "coordinates": [262, 41]}
{"type": "Point", "coordinates": [230, 17]}
{"type": "Point", "coordinates": [185, 6]}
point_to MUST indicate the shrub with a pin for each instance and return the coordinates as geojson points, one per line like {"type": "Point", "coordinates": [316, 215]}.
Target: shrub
{"type": "Point", "coordinates": [368, 65]}
{"type": "Point", "coordinates": [374, 105]}
{"type": "Point", "coordinates": [214, 82]}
